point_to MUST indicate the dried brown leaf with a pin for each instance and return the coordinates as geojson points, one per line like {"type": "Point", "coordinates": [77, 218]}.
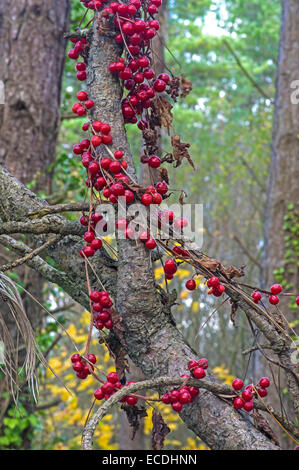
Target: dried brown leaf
{"type": "Point", "coordinates": [159, 432]}
{"type": "Point", "coordinates": [182, 196]}
{"type": "Point", "coordinates": [134, 415]}
{"type": "Point", "coordinates": [232, 271]}
{"type": "Point", "coordinates": [210, 263]}
{"type": "Point", "coordinates": [164, 175]}
{"type": "Point", "coordinates": [162, 110]}
{"type": "Point", "coordinates": [185, 85]}
{"type": "Point", "coordinates": [180, 151]}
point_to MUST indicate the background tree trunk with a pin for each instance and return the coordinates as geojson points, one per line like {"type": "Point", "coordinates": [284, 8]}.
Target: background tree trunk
{"type": "Point", "coordinates": [32, 62]}
{"type": "Point", "coordinates": [283, 187]}
{"type": "Point", "coordinates": [282, 210]}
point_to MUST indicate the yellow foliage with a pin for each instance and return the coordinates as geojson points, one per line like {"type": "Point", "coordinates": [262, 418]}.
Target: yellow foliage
{"type": "Point", "coordinates": [184, 294]}
{"type": "Point", "coordinates": [195, 306]}
{"type": "Point", "coordinates": [223, 374]}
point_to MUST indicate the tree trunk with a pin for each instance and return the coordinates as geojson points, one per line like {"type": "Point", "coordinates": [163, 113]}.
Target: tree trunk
{"type": "Point", "coordinates": [32, 62]}
{"type": "Point", "coordinates": [282, 253]}
{"type": "Point", "coordinates": [282, 210]}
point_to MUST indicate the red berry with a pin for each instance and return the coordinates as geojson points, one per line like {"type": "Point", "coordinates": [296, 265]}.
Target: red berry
{"type": "Point", "coordinates": [112, 377]}
{"type": "Point", "coordinates": [118, 154]}
{"type": "Point", "coordinates": [297, 301]}
{"type": "Point", "coordinates": [238, 384]}
{"type": "Point", "coordinates": [76, 357]}
{"type": "Point", "coordinates": [107, 139]}
{"type": "Point", "coordinates": [131, 400]}
{"type": "Point", "coordinates": [99, 394]}
{"type": "Point", "coordinates": [165, 77]}
{"type": "Point", "coordinates": [88, 251]}
{"type": "Point", "coordinates": [93, 168]}
{"type": "Point", "coordinates": [256, 297]}
{"type": "Point", "coordinates": [115, 167]}
{"type": "Point", "coordinates": [159, 85]}
{"type": "Point", "coordinates": [264, 382]}
{"type": "Point", "coordinates": [89, 104]}
{"type": "Point", "coordinates": [185, 397]}
{"type": "Point", "coordinates": [157, 198]}
{"type": "Point", "coordinates": [170, 266]}
{"type": "Point", "coordinates": [161, 188]}
{"type": "Point", "coordinates": [262, 392]}
{"type": "Point", "coordinates": [181, 223]}
{"type": "Point", "coordinates": [276, 289]}
{"type": "Point", "coordinates": [81, 76]}
{"type": "Point", "coordinates": [273, 299]}
{"type": "Point", "coordinates": [247, 395]}
{"type": "Point", "coordinates": [166, 398]}
{"type": "Point", "coordinates": [192, 365]}
{"type": "Point", "coordinates": [238, 403]}
{"type": "Point", "coordinates": [154, 162]}
{"type": "Point", "coordinates": [213, 282]}
{"type": "Point", "coordinates": [105, 163]}
{"type": "Point", "coordinates": [199, 373]}
{"type": "Point", "coordinates": [78, 366]}
{"type": "Point", "coordinates": [88, 236]}
{"type": "Point", "coordinates": [203, 363]}
{"type": "Point", "coordinates": [150, 244]}
{"type": "Point", "coordinates": [97, 126]}
{"type": "Point", "coordinates": [92, 358]}
{"type": "Point", "coordinates": [105, 129]}
{"type": "Point", "coordinates": [96, 140]}
{"type": "Point", "coordinates": [177, 406]}
{"type": "Point", "coordinates": [174, 396]}
{"type": "Point", "coordinates": [82, 96]}
{"type": "Point", "coordinates": [191, 284]}
{"type": "Point", "coordinates": [146, 199]}
{"type": "Point", "coordinates": [95, 296]}
{"type": "Point", "coordinates": [248, 405]}
{"type": "Point", "coordinates": [144, 236]}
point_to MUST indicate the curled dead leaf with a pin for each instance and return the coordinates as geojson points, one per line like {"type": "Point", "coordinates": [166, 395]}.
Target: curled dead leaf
{"type": "Point", "coordinates": [180, 151]}
{"type": "Point", "coordinates": [185, 85]}
{"type": "Point", "coordinates": [159, 431]}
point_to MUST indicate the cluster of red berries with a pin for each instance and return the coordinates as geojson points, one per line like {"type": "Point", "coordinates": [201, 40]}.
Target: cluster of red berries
{"type": "Point", "coordinates": [186, 394]}
{"type": "Point", "coordinates": [134, 70]}
{"type": "Point", "coordinates": [93, 4]}
{"type": "Point", "coordinates": [245, 399]}
{"type": "Point", "coordinates": [170, 268]}
{"type": "Point", "coordinates": [217, 289]}
{"type": "Point", "coordinates": [198, 368]}
{"type": "Point", "coordinates": [178, 398]}
{"type": "Point", "coordinates": [111, 386]}
{"type": "Point", "coordinates": [101, 305]}
{"type": "Point", "coordinates": [82, 367]}
{"type": "Point", "coordinates": [276, 289]}
{"type": "Point", "coordinates": [79, 46]}
{"type": "Point", "coordinates": [92, 243]}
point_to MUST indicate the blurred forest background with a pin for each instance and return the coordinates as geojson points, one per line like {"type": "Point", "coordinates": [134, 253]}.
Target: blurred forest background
{"type": "Point", "coordinates": [229, 50]}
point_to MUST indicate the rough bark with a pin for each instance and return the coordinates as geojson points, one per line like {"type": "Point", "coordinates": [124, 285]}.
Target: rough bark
{"type": "Point", "coordinates": [32, 59]}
